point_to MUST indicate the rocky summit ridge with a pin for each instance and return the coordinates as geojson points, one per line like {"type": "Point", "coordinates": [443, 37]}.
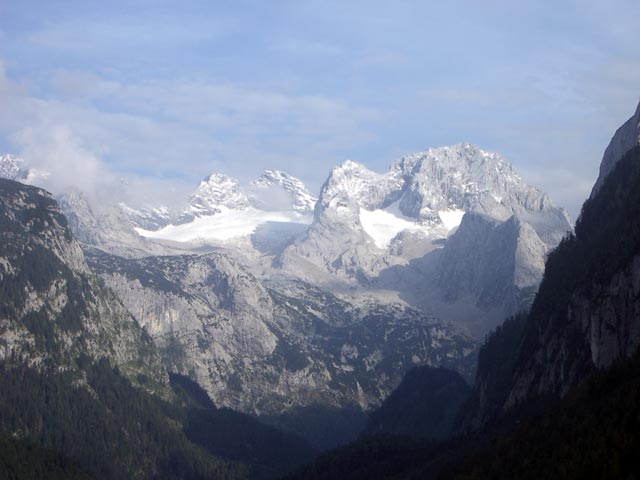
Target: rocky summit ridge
{"type": "Point", "coordinates": [402, 231]}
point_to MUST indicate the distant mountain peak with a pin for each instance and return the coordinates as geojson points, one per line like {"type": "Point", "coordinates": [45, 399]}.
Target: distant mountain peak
{"type": "Point", "coordinates": [12, 168]}
{"type": "Point", "coordinates": [15, 168]}
{"type": "Point", "coordinates": [215, 193]}
{"type": "Point", "coordinates": [276, 189]}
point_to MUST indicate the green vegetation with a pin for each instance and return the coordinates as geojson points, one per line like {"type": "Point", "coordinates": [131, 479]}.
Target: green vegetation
{"type": "Point", "coordinates": [20, 460]}
{"type": "Point", "coordinates": [594, 432]}
{"type": "Point", "coordinates": [269, 452]}
{"type": "Point", "coordinates": [424, 405]}
{"type": "Point", "coordinates": [323, 426]}
{"type": "Point", "coordinates": [496, 361]}
{"type": "Point", "coordinates": [111, 430]}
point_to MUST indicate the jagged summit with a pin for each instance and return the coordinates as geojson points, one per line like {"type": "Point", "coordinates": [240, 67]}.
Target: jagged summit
{"type": "Point", "coordinates": [270, 209]}
{"type": "Point", "coordinates": [402, 230]}
{"type": "Point", "coordinates": [215, 193]}
{"type": "Point", "coordinates": [276, 189]}
{"type": "Point", "coordinates": [273, 191]}
{"type": "Point", "coordinates": [353, 180]}
{"type": "Point", "coordinates": [460, 177]}
{"type": "Point", "coordinates": [465, 177]}
{"type": "Point", "coordinates": [433, 189]}
{"type": "Point", "coordinates": [15, 168]}
{"type": "Point", "coordinates": [12, 167]}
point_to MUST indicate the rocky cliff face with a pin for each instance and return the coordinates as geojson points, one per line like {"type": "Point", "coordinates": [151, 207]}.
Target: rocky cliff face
{"type": "Point", "coordinates": [107, 228]}
{"type": "Point", "coordinates": [467, 178]}
{"type": "Point", "coordinates": [625, 138]}
{"type": "Point", "coordinates": [601, 325]}
{"type": "Point", "coordinates": [587, 311]}
{"type": "Point", "coordinates": [263, 348]}
{"type": "Point", "coordinates": [147, 218]}
{"type": "Point", "coordinates": [53, 310]}
{"type": "Point", "coordinates": [496, 263]}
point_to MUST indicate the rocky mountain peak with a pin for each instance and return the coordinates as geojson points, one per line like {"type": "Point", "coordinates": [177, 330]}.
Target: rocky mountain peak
{"type": "Point", "coordinates": [353, 180]}
{"type": "Point", "coordinates": [12, 167]}
{"type": "Point", "coordinates": [217, 192]}
{"type": "Point", "coordinates": [398, 230]}
{"type": "Point", "coordinates": [15, 168]}
{"type": "Point", "coordinates": [461, 176]}
{"type": "Point", "coordinates": [277, 190]}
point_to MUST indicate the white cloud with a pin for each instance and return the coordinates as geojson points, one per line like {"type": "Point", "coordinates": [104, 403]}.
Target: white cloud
{"type": "Point", "coordinates": [90, 125]}
{"type": "Point", "coordinates": [55, 149]}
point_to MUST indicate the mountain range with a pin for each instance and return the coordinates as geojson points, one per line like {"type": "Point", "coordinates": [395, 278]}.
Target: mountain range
{"type": "Point", "coordinates": [303, 312]}
{"type": "Point", "coordinates": [271, 298]}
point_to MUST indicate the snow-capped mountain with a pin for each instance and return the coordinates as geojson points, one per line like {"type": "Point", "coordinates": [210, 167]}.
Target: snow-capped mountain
{"type": "Point", "coordinates": [147, 218]}
{"type": "Point", "coordinates": [15, 168]}
{"type": "Point", "coordinates": [400, 231]}
{"type": "Point", "coordinates": [221, 210]}
{"type": "Point", "coordinates": [12, 168]}
{"type": "Point", "coordinates": [215, 193]}
{"type": "Point", "coordinates": [360, 213]}
{"type": "Point", "coordinates": [274, 190]}
{"type": "Point", "coordinates": [461, 177]}
{"type": "Point", "coordinates": [277, 190]}
{"type": "Point", "coordinates": [297, 300]}
{"type": "Point", "coordinates": [403, 230]}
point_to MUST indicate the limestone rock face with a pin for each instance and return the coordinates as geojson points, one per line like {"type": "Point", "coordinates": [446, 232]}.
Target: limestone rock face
{"type": "Point", "coordinates": [625, 138]}
{"type": "Point", "coordinates": [602, 325]}
{"type": "Point", "coordinates": [106, 228]}
{"type": "Point", "coordinates": [264, 347]}
{"type": "Point", "coordinates": [216, 192]}
{"type": "Point", "coordinates": [496, 262]}
{"type": "Point", "coordinates": [53, 310]}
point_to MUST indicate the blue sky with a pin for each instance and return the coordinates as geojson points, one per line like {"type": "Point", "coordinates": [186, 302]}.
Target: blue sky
{"type": "Point", "coordinates": [164, 93]}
